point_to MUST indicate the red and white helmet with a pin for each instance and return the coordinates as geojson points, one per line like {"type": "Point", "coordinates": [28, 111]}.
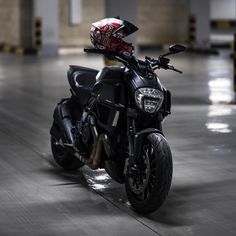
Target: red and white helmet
{"type": "Point", "coordinates": [107, 34]}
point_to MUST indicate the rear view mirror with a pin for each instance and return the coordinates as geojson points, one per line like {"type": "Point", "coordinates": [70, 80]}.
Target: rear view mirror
{"type": "Point", "coordinates": [176, 48]}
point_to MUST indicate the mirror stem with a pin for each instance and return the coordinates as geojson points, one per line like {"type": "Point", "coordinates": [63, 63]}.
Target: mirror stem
{"type": "Point", "coordinates": [166, 54]}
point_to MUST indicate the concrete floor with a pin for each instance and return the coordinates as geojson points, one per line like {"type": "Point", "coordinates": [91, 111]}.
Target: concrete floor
{"type": "Point", "coordinates": [38, 198]}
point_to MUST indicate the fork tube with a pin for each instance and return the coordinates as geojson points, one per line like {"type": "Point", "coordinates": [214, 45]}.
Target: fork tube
{"type": "Point", "coordinates": [130, 133]}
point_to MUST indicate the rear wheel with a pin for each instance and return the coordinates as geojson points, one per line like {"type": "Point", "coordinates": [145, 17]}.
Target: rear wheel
{"type": "Point", "coordinates": [148, 187]}
{"type": "Point", "coordinates": [63, 157]}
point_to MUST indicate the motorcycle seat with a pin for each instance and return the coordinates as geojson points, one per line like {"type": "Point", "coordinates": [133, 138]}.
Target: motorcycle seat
{"type": "Point", "coordinates": [81, 80]}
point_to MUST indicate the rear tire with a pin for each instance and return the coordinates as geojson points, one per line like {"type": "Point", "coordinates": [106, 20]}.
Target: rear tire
{"type": "Point", "coordinates": [62, 156]}
{"type": "Point", "coordinates": [147, 191]}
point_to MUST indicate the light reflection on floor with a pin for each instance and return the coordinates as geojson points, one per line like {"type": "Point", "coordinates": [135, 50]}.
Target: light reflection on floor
{"type": "Point", "coordinates": [216, 122]}
{"type": "Point", "coordinates": [218, 127]}
{"type": "Point", "coordinates": [101, 182]}
{"type": "Point", "coordinates": [97, 179]}
{"type": "Point", "coordinates": [220, 110]}
{"type": "Point", "coordinates": [220, 90]}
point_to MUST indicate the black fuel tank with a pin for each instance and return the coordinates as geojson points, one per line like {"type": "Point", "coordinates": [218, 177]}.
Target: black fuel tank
{"type": "Point", "coordinates": [111, 83]}
{"type": "Point", "coordinates": [140, 81]}
{"type": "Point", "coordinates": [113, 73]}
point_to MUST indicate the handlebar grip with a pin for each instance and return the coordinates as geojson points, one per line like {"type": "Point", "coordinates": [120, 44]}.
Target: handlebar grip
{"type": "Point", "coordinates": [157, 63]}
{"type": "Point", "coordinates": [91, 50]}
{"type": "Point", "coordinates": [162, 62]}
{"type": "Point", "coordinates": [99, 51]}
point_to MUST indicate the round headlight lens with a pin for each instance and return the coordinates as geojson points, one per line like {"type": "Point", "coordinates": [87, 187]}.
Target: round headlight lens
{"type": "Point", "coordinates": [149, 99]}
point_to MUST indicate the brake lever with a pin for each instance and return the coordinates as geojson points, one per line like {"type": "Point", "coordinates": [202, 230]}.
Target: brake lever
{"type": "Point", "coordinates": [162, 63]}
{"type": "Point", "coordinates": [172, 68]}
{"type": "Point", "coordinates": [179, 71]}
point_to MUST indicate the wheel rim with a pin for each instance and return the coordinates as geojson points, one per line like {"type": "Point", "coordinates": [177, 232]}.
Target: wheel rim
{"type": "Point", "coordinates": [141, 184]}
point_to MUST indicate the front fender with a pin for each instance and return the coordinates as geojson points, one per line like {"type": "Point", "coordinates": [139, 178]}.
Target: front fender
{"type": "Point", "coordinates": [55, 131]}
{"type": "Point", "coordinates": [138, 139]}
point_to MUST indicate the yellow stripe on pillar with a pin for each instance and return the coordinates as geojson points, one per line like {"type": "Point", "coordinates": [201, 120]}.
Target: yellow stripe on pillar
{"type": "Point", "coordinates": [19, 50]}
{"type": "Point", "coordinates": [109, 62]}
{"type": "Point", "coordinates": [7, 48]}
{"type": "Point", "coordinates": [38, 32]}
{"type": "Point", "coordinates": [223, 24]}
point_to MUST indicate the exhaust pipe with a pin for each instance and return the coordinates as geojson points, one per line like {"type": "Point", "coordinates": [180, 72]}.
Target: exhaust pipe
{"type": "Point", "coordinates": [63, 117]}
{"type": "Point", "coordinates": [96, 156]}
{"type": "Point", "coordinates": [100, 141]}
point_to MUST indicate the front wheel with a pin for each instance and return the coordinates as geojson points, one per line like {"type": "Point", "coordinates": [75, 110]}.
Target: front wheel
{"type": "Point", "coordinates": [148, 187]}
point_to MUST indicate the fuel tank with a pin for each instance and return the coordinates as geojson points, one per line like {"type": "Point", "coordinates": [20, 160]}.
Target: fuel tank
{"type": "Point", "coordinates": [110, 85]}
{"type": "Point", "coordinates": [140, 81]}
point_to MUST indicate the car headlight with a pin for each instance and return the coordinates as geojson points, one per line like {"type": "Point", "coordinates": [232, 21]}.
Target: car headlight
{"type": "Point", "coordinates": [149, 99]}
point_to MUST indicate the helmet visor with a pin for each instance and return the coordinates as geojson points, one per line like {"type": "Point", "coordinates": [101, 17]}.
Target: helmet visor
{"type": "Point", "coordinates": [125, 29]}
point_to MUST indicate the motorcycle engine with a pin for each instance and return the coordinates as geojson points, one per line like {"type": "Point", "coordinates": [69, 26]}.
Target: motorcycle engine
{"type": "Point", "coordinates": [86, 133]}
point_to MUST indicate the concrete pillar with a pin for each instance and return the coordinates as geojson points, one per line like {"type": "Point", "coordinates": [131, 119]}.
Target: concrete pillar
{"type": "Point", "coordinates": [26, 23]}
{"type": "Point", "coordinates": [49, 14]}
{"type": "Point", "coordinates": [9, 22]}
{"type": "Point", "coordinates": [127, 10]}
{"type": "Point", "coordinates": [234, 70]}
{"type": "Point", "coordinates": [223, 9]}
{"type": "Point", "coordinates": [201, 10]}
{"type": "Point", "coordinates": [163, 22]}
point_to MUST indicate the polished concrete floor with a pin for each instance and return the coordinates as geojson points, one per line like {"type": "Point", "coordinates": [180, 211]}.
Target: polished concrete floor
{"type": "Point", "coordinates": [38, 198]}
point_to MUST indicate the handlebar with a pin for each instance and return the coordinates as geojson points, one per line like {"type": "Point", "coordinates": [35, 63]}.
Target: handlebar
{"type": "Point", "coordinates": [129, 62]}
{"type": "Point", "coordinates": [99, 51]}
{"type": "Point", "coordinates": [105, 53]}
{"type": "Point", "coordinates": [161, 63]}
{"type": "Point", "coordinates": [91, 50]}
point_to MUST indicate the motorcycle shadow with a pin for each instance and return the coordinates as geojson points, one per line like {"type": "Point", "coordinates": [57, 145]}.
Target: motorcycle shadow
{"type": "Point", "coordinates": [174, 212]}
{"type": "Point", "coordinates": [183, 205]}
{"type": "Point", "coordinates": [70, 178]}
{"type": "Point", "coordinates": [188, 203]}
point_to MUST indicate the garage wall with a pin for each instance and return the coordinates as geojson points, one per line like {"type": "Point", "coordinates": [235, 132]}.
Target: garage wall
{"type": "Point", "coordinates": [163, 21]}
{"type": "Point", "coordinates": [160, 22]}
{"type": "Point", "coordinates": [223, 9]}
{"type": "Point", "coordinates": [10, 21]}
{"type": "Point", "coordinates": [78, 35]}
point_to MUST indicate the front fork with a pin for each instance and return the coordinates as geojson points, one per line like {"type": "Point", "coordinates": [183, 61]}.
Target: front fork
{"type": "Point", "coordinates": [135, 139]}
{"type": "Point", "coordinates": [131, 131]}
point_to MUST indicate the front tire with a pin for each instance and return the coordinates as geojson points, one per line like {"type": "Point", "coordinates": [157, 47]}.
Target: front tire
{"type": "Point", "coordinates": [147, 190]}
{"type": "Point", "coordinates": [62, 156]}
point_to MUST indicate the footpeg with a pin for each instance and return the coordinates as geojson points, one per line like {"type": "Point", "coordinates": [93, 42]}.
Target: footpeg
{"type": "Point", "coordinates": [68, 145]}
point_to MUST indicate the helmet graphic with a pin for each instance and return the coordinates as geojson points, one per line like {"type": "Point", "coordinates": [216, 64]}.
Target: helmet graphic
{"type": "Point", "coordinates": [107, 35]}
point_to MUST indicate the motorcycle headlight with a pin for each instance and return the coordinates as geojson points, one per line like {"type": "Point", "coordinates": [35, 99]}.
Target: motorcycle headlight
{"type": "Point", "coordinates": [149, 99]}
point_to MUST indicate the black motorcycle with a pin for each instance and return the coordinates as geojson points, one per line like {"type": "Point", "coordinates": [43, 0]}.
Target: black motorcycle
{"type": "Point", "coordinates": [113, 120]}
